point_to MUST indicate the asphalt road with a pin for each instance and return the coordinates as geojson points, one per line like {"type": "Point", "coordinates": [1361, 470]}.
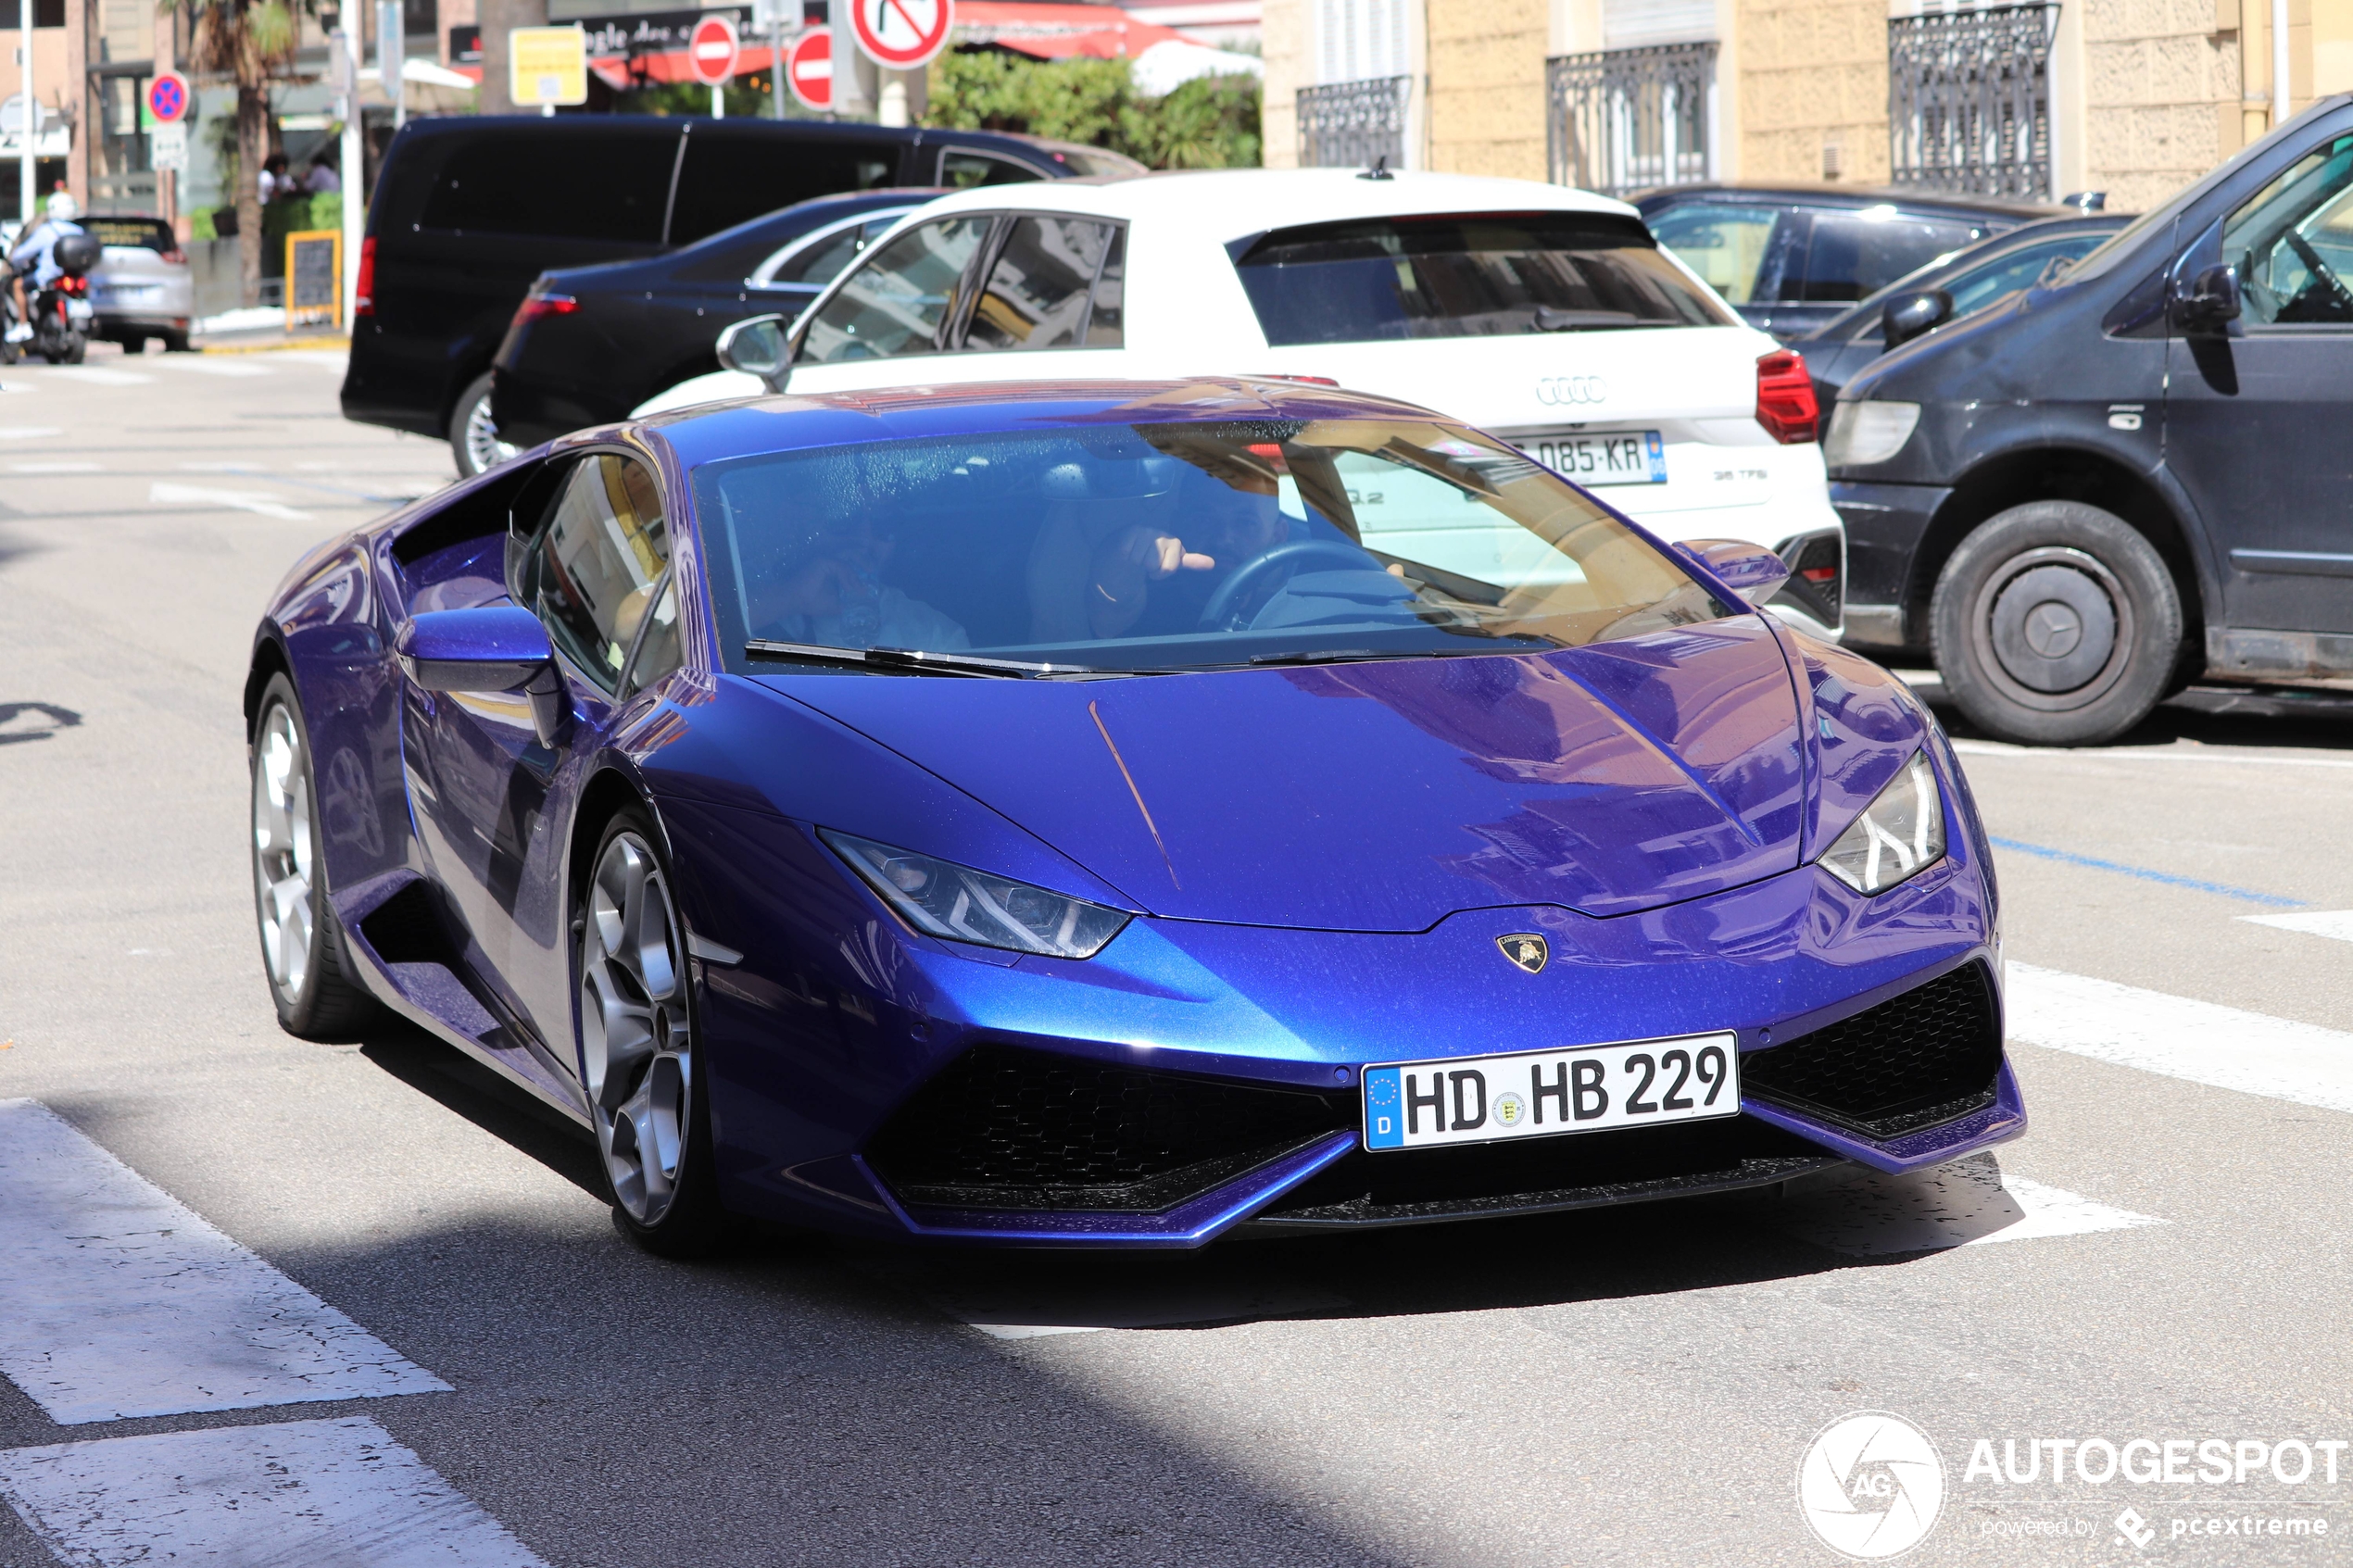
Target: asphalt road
{"type": "Point", "coordinates": [2161, 1258]}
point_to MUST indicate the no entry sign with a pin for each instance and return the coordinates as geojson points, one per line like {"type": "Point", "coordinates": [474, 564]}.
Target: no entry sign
{"type": "Point", "coordinates": [808, 67]}
{"type": "Point", "coordinates": [902, 34]}
{"type": "Point", "coordinates": [168, 98]}
{"type": "Point", "coordinates": [712, 49]}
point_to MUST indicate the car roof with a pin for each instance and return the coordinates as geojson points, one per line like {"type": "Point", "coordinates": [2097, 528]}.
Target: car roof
{"type": "Point", "coordinates": [1798, 191]}
{"type": "Point", "coordinates": [790, 421]}
{"type": "Point", "coordinates": [1238, 203]}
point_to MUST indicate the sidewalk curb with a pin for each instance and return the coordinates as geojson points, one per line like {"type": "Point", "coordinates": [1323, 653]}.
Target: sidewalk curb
{"type": "Point", "coordinates": [329, 342]}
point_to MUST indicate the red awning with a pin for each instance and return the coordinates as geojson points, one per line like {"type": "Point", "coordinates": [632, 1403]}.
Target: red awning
{"type": "Point", "coordinates": [1047, 32]}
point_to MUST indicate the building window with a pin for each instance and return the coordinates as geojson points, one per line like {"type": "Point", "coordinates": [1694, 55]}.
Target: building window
{"type": "Point", "coordinates": [1970, 100]}
{"type": "Point", "coordinates": [1353, 124]}
{"type": "Point", "coordinates": [1359, 40]}
{"type": "Point", "coordinates": [1622, 120]}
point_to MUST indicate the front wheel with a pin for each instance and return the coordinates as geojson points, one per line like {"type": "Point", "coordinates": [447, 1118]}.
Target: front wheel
{"type": "Point", "coordinates": [473, 440]}
{"type": "Point", "coordinates": [2056, 623]}
{"type": "Point", "coordinates": [637, 1054]}
{"type": "Point", "coordinates": [301, 945]}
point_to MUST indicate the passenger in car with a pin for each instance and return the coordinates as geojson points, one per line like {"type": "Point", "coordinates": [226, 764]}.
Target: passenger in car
{"type": "Point", "coordinates": [831, 592]}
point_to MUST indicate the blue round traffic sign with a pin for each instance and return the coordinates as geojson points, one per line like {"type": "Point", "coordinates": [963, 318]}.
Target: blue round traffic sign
{"type": "Point", "coordinates": [168, 98]}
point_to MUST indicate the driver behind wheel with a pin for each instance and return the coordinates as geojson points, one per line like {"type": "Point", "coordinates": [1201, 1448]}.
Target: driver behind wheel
{"type": "Point", "coordinates": [1158, 579]}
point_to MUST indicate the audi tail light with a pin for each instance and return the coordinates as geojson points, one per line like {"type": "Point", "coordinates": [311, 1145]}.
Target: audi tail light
{"type": "Point", "coordinates": [175, 256]}
{"type": "Point", "coordinates": [363, 291]}
{"type": "Point", "coordinates": [1785, 405]}
{"type": "Point", "coordinates": [536, 304]}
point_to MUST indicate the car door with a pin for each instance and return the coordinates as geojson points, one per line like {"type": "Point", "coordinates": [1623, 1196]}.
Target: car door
{"type": "Point", "coordinates": [2256, 421]}
{"type": "Point", "coordinates": [977, 297]}
{"type": "Point", "coordinates": [596, 569]}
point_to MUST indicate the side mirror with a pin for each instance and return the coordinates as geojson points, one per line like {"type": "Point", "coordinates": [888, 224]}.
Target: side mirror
{"type": "Point", "coordinates": [503, 648]}
{"type": "Point", "coordinates": [2211, 303]}
{"type": "Point", "coordinates": [1752, 570]}
{"type": "Point", "coordinates": [759, 346]}
{"type": "Point", "coordinates": [1908, 315]}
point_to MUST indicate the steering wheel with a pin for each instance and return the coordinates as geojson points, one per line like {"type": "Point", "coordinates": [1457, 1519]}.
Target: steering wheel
{"type": "Point", "coordinates": [2318, 268]}
{"type": "Point", "coordinates": [1232, 590]}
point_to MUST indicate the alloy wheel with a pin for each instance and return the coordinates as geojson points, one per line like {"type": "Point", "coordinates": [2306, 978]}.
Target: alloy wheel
{"type": "Point", "coordinates": [283, 853]}
{"type": "Point", "coordinates": [636, 1050]}
{"type": "Point", "coordinates": [483, 449]}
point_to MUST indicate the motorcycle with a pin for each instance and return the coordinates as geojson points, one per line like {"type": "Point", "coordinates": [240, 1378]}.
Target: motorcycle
{"type": "Point", "coordinates": [61, 308]}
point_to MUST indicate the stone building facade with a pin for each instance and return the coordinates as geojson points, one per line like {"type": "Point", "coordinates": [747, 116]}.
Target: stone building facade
{"type": "Point", "coordinates": [2131, 97]}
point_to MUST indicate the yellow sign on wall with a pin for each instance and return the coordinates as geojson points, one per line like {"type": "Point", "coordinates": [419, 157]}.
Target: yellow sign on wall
{"type": "Point", "coordinates": [546, 65]}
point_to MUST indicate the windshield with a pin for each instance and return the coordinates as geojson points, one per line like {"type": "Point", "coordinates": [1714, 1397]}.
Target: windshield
{"type": "Point", "coordinates": [1374, 279]}
{"type": "Point", "coordinates": [1147, 546]}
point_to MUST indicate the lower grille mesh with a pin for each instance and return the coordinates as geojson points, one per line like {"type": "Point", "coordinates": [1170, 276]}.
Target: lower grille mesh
{"type": "Point", "coordinates": [1005, 1128]}
{"type": "Point", "coordinates": [1915, 1061]}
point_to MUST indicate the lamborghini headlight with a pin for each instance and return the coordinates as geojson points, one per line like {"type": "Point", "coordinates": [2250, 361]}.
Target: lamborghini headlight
{"type": "Point", "coordinates": [945, 899]}
{"type": "Point", "coordinates": [1901, 832]}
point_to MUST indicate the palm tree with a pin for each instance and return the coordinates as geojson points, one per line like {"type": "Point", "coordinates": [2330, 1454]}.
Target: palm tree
{"type": "Point", "coordinates": [244, 39]}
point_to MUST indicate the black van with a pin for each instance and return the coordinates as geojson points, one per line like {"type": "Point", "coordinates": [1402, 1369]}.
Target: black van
{"type": "Point", "coordinates": [2133, 475]}
{"type": "Point", "coordinates": [467, 210]}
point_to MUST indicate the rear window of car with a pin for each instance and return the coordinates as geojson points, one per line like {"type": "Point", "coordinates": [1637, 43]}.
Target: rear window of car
{"type": "Point", "coordinates": [142, 234]}
{"type": "Point", "coordinates": [586, 184]}
{"type": "Point", "coordinates": [727, 178]}
{"type": "Point", "coordinates": [1480, 275]}
{"type": "Point", "coordinates": [1854, 254]}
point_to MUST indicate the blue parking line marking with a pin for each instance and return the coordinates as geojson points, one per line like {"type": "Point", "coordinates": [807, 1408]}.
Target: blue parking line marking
{"type": "Point", "coordinates": [2193, 884]}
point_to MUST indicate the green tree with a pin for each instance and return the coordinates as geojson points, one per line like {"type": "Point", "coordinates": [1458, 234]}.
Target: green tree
{"type": "Point", "coordinates": [243, 40]}
{"type": "Point", "coordinates": [1211, 122]}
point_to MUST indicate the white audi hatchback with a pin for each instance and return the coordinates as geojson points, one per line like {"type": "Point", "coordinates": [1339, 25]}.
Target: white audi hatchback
{"type": "Point", "coordinates": [1547, 316]}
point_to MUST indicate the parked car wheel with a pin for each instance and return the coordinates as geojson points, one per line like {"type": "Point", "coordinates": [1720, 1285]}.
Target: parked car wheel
{"type": "Point", "coordinates": [637, 1047]}
{"type": "Point", "coordinates": [2056, 623]}
{"type": "Point", "coordinates": [301, 944]}
{"type": "Point", "coordinates": [473, 440]}
{"type": "Point", "coordinates": [175, 342]}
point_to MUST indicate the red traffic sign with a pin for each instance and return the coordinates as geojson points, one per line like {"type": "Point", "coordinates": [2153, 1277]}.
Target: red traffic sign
{"type": "Point", "coordinates": [169, 98]}
{"type": "Point", "coordinates": [902, 34]}
{"type": "Point", "coordinates": [712, 50]}
{"type": "Point", "coordinates": [808, 67]}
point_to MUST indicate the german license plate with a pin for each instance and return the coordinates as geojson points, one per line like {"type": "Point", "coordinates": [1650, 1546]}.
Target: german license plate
{"type": "Point", "coordinates": [1544, 1094]}
{"type": "Point", "coordinates": [76, 310]}
{"type": "Point", "coordinates": [1626, 457]}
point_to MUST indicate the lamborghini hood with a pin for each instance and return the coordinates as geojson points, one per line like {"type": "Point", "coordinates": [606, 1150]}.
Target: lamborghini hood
{"type": "Point", "coordinates": [1381, 797]}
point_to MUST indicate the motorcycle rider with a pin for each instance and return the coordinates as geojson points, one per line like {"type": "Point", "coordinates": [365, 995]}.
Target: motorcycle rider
{"type": "Point", "coordinates": [36, 253]}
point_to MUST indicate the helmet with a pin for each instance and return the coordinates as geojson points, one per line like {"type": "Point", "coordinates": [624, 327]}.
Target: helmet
{"type": "Point", "coordinates": [63, 207]}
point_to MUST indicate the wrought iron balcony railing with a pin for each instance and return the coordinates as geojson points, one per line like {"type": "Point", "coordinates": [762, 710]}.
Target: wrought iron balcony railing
{"type": "Point", "coordinates": [1970, 100]}
{"type": "Point", "coordinates": [1620, 119]}
{"type": "Point", "coordinates": [1350, 124]}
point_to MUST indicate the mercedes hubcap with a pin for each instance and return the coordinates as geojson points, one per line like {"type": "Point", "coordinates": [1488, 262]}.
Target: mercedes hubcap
{"type": "Point", "coordinates": [2054, 628]}
{"type": "Point", "coordinates": [484, 448]}
{"type": "Point", "coordinates": [282, 852]}
{"type": "Point", "coordinates": [634, 1042]}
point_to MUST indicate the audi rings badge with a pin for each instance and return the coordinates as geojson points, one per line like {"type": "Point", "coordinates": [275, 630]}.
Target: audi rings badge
{"type": "Point", "coordinates": [1561, 392]}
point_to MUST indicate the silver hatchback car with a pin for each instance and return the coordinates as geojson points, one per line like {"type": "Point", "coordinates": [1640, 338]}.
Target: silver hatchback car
{"type": "Point", "coordinates": [143, 288]}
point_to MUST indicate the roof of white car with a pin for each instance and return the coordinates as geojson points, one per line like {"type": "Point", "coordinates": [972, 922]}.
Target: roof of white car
{"type": "Point", "coordinates": [1235, 202]}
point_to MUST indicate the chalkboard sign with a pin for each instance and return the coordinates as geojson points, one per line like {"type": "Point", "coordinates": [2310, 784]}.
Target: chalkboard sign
{"type": "Point", "coordinates": [314, 278]}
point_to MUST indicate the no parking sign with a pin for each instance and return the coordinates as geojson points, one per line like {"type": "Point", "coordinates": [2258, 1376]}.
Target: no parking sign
{"type": "Point", "coordinates": [902, 34]}
{"type": "Point", "coordinates": [169, 98]}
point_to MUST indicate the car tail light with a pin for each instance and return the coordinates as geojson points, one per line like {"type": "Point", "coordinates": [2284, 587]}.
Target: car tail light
{"type": "Point", "coordinates": [1785, 405]}
{"type": "Point", "coordinates": [363, 289]}
{"type": "Point", "coordinates": [175, 256]}
{"type": "Point", "coordinates": [537, 304]}
{"type": "Point", "coordinates": [73, 285]}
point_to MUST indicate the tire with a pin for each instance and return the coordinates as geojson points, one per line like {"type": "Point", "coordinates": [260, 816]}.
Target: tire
{"type": "Point", "coordinates": [473, 440]}
{"type": "Point", "coordinates": [2056, 623]}
{"type": "Point", "coordinates": [637, 1018]}
{"type": "Point", "coordinates": [134, 345]}
{"type": "Point", "coordinates": [76, 347]}
{"type": "Point", "coordinates": [175, 342]}
{"type": "Point", "coordinates": [302, 948]}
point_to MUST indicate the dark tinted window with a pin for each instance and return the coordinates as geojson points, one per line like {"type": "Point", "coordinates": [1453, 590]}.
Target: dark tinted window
{"type": "Point", "coordinates": [961, 170]}
{"type": "Point", "coordinates": [593, 184]}
{"type": "Point", "coordinates": [143, 233]}
{"type": "Point", "coordinates": [1039, 286]}
{"type": "Point", "coordinates": [730, 176]}
{"type": "Point", "coordinates": [817, 262]}
{"type": "Point", "coordinates": [1858, 253]}
{"type": "Point", "coordinates": [1727, 245]}
{"type": "Point", "coordinates": [1373, 279]}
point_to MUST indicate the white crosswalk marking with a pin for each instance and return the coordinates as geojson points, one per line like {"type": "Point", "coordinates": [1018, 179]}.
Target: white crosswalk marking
{"type": "Point", "coordinates": [204, 366]}
{"type": "Point", "coordinates": [304, 1494]}
{"type": "Point", "coordinates": [117, 1300]}
{"type": "Point", "coordinates": [164, 495]}
{"type": "Point", "coordinates": [97, 377]}
{"type": "Point", "coordinates": [2316, 922]}
{"type": "Point", "coordinates": [2181, 1038]}
{"type": "Point", "coordinates": [1961, 1204]}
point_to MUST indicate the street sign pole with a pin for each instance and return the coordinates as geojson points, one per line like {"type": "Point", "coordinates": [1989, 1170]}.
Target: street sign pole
{"type": "Point", "coordinates": [354, 176]}
{"type": "Point", "coordinates": [392, 47]}
{"type": "Point", "coordinates": [29, 117]}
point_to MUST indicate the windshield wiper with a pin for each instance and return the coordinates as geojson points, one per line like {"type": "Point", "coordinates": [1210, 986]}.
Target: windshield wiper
{"type": "Point", "coordinates": [1550, 319]}
{"type": "Point", "coordinates": [1360, 656]}
{"type": "Point", "coordinates": [909, 661]}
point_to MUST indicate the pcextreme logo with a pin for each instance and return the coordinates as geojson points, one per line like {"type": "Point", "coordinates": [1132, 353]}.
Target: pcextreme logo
{"type": "Point", "coordinates": [1871, 1485]}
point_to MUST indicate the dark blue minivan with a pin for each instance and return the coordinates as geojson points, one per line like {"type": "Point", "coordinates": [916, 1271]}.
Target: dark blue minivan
{"type": "Point", "coordinates": [2134, 475]}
